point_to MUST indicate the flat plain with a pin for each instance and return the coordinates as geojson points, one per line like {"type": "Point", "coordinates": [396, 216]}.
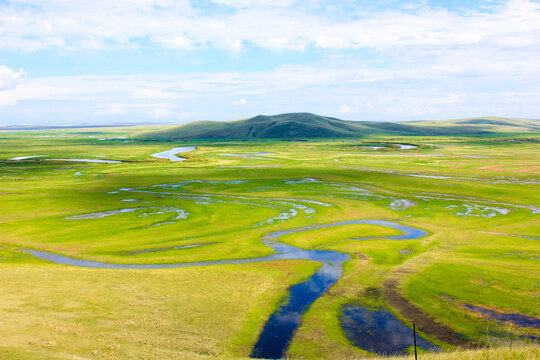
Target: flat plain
{"type": "Point", "coordinates": [474, 276]}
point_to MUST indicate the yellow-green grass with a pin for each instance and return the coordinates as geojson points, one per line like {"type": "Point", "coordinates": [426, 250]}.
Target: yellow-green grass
{"type": "Point", "coordinates": [188, 313]}
{"type": "Point", "coordinates": [512, 352]}
{"type": "Point", "coordinates": [510, 286]}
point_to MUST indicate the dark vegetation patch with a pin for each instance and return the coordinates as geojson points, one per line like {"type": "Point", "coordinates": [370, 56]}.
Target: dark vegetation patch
{"type": "Point", "coordinates": [372, 293]}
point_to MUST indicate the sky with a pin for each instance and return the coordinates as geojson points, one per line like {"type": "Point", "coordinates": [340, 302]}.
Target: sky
{"type": "Point", "coordinates": [69, 62]}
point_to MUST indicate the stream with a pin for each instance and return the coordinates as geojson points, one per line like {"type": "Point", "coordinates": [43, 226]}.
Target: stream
{"type": "Point", "coordinates": [278, 330]}
{"type": "Point", "coordinates": [171, 154]}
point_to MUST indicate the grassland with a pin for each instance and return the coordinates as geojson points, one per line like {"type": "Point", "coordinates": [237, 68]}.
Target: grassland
{"type": "Point", "coordinates": [477, 197]}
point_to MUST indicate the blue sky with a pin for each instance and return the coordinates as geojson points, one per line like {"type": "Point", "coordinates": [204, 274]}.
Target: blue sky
{"type": "Point", "coordinates": [166, 61]}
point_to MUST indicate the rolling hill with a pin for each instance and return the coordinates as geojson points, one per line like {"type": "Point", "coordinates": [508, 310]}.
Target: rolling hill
{"type": "Point", "coordinates": [489, 124]}
{"type": "Point", "coordinates": [308, 126]}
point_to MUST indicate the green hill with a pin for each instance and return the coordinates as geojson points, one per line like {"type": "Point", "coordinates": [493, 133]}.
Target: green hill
{"type": "Point", "coordinates": [488, 124]}
{"type": "Point", "coordinates": [309, 126]}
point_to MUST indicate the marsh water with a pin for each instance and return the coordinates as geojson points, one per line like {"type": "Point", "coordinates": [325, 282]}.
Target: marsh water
{"type": "Point", "coordinates": [519, 320]}
{"type": "Point", "coordinates": [88, 161]}
{"type": "Point", "coordinates": [171, 154]}
{"type": "Point", "coordinates": [102, 214]}
{"type": "Point", "coordinates": [377, 330]}
{"type": "Point", "coordinates": [280, 327]}
{"type": "Point", "coordinates": [21, 158]}
{"type": "Point", "coordinates": [406, 146]}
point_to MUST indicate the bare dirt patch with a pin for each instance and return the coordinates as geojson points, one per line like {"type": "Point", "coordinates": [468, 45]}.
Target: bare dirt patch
{"type": "Point", "coordinates": [532, 169]}
{"type": "Point", "coordinates": [423, 321]}
{"type": "Point", "coordinates": [515, 167]}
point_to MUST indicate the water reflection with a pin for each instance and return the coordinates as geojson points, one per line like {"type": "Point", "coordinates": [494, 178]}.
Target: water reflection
{"type": "Point", "coordinates": [171, 154]}
{"type": "Point", "coordinates": [378, 331]}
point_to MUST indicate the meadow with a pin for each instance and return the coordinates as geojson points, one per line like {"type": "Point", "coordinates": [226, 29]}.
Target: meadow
{"type": "Point", "coordinates": [477, 199]}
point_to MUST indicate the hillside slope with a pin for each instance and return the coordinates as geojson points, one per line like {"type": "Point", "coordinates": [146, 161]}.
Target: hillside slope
{"type": "Point", "coordinates": [307, 125]}
{"type": "Point", "coordinates": [488, 123]}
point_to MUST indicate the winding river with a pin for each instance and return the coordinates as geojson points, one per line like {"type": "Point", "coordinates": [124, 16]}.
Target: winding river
{"type": "Point", "coordinates": [280, 327]}
{"type": "Point", "coordinates": [171, 154]}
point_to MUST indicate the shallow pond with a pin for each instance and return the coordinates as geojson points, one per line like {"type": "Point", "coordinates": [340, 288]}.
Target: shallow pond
{"type": "Point", "coordinates": [102, 214]}
{"type": "Point", "coordinates": [406, 147]}
{"type": "Point", "coordinates": [401, 204]}
{"type": "Point", "coordinates": [151, 210]}
{"type": "Point", "coordinates": [477, 210]}
{"type": "Point", "coordinates": [19, 158]}
{"type": "Point", "coordinates": [516, 319]}
{"type": "Point", "coordinates": [301, 181]}
{"type": "Point", "coordinates": [378, 331]}
{"type": "Point", "coordinates": [88, 161]}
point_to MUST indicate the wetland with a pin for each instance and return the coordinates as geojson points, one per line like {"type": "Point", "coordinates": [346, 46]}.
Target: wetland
{"type": "Point", "coordinates": [271, 261]}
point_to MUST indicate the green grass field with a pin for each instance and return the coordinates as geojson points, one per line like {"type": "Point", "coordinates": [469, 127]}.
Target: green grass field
{"type": "Point", "coordinates": [477, 197]}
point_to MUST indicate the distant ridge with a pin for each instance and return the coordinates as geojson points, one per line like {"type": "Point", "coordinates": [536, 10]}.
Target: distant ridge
{"type": "Point", "coordinates": [57, 127]}
{"type": "Point", "coordinates": [488, 123]}
{"type": "Point", "coordinates": [310, 126]}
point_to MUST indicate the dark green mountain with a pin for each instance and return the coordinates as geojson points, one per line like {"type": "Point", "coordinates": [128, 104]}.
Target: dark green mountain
{"type": "Point", "coordinates": [309, 126]}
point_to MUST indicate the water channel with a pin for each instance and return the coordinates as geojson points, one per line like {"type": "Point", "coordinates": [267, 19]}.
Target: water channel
{"type": "Point", "coordinates": [278, 331]}
{"type": "Point", "coordinates": [171, 154]}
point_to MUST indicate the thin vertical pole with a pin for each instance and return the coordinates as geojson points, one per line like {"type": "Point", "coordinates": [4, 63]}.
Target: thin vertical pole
{"type": "Point", "coordinates": [414, 335]}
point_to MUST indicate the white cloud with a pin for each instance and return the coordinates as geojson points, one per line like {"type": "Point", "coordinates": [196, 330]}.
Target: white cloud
{"type": "Point", "coordinates": [344, 109]}
{"type": "Point", "coordinates": [251, 3]}
{"type": "Point", "coordinates": [269, 24]}
{"type": "Point", "coordinates": [424, 91]}
{"type": "Point", "coordinates": [160, 112]}
{"type": "Point", "coordinates": [239, 102]}
{"type": "Point", "coordinates": [155, 110]}
{"type": "Point", "coordinates": [367, 105]}
{"type": "Point", "coordinates": [151, 93]}
{"type": "Point", "coordinates": [8, 77]}
{"type": "Point", "coordinates": [179, 42]}
{"type": "Point", "coordinates": [447, 79]}
{"type": "Point", "coordinates": [113, 109]}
